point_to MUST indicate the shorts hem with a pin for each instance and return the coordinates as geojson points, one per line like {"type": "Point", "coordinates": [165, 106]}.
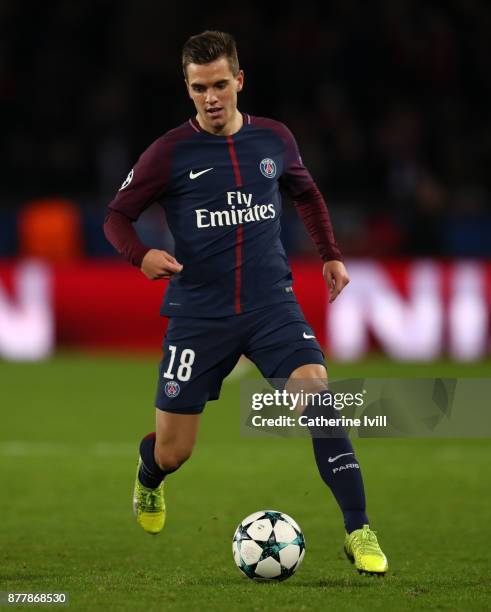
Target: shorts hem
{"type": "Point", "coordinates": [296, 360]}
{"type": "Point", "coordinates": [191, 410]}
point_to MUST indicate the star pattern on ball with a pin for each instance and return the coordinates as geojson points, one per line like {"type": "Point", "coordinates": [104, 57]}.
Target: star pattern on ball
{"type": "Point", "coordinates": [268, 545]}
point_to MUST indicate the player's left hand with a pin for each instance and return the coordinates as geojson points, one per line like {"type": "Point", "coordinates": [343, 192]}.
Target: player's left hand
{"type": "Point", "coordinates": [336, 277]}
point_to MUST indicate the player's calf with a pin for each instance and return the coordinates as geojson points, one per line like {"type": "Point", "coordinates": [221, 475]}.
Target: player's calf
{"type": "Point", "coordinates": [340, 470]}
{"type": "Point", "coordinates": [151, 472]}
{"type": "Point", "coordinates": [334, 454]}
{"type": "Point", "coordinates": [169, 457]}
{"type": "Point", "coordinates": [337, 463]}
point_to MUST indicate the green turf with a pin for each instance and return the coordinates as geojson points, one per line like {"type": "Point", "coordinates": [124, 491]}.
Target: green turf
{"type": "Point", "coordinates": [68, 442]}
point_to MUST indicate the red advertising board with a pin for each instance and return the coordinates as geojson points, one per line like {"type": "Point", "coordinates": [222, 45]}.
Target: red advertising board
{"type": "Point", "coordinates": [410, 309]}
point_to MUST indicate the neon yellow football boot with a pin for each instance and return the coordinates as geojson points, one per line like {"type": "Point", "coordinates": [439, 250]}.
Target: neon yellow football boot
{"type": "Point", "coordinates": [362, 548]}
{"type": "Point", "coordinates": [149, 505]}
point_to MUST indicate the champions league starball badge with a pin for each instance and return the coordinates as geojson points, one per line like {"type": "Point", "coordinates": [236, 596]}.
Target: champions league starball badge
{"type": "Point", "coordinates": [127, 180]}
{"type": "Point", "coordinates": [268, 167]}
{"type": "Point", "coordinates": [172, 388]}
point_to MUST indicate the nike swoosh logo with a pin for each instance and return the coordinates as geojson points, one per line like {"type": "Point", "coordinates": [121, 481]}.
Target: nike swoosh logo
{"type": "Point", "coordinates": [333, 459]}
{"type": "Point", "coordinates": [194, 175]}
{"type": "Point", "coordinates": [307, 336]}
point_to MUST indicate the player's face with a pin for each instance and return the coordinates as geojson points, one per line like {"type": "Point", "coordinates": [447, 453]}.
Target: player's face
{"type": "Point", "coordinates": [213, 89]}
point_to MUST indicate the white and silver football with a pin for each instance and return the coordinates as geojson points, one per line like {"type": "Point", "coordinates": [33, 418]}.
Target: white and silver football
{"type": "Point", "coordinates": [268, 545]}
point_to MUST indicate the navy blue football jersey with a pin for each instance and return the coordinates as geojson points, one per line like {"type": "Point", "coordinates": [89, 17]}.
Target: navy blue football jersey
{"type": "Point", "coordinates": [221, 196]}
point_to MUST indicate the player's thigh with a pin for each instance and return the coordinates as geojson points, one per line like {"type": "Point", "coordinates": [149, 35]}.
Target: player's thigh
{"type": "Point", "coordinates": [198, 354]}
{"type": "Point", "coordinates": [281, 341]}
{"type": "Point", "coordinates": [176, 432]}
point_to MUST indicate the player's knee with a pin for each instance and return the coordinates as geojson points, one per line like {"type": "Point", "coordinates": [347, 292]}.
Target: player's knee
{"type": "Point", "coordinates": [310, 378]}
{"type": "Point", "coordinates": [171, 458]}
{"type": "Point", "coordinates": [311, 371]}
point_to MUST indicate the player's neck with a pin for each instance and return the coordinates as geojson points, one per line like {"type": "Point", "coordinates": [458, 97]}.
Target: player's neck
{"type": "Point", "coordinates": [230, 128]}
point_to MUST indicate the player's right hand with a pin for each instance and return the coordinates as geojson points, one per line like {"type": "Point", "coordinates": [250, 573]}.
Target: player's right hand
{"type": "Point", "coordinates": [159, 264]}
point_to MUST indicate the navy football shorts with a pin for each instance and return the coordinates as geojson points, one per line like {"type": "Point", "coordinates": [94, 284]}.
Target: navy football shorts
{"type": "Point", "coordinates": [200, 353]}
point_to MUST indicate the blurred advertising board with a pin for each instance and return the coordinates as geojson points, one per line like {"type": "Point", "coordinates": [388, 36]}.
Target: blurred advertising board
{"type": "Point", "coordinates": [410, 310]}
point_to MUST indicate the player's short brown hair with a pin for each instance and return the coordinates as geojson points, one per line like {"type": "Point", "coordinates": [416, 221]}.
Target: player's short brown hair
{"type": "Point", "coordinates": [207, 47]}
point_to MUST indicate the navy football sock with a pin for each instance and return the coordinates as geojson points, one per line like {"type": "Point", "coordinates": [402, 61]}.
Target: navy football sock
{"type": "Point", "coordinates": [150, 474]}
{"type": "Point", "coordinates": [338, 467]}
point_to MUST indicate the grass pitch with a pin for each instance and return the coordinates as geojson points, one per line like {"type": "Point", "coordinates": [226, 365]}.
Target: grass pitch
{"type": "Point", "coordinates": [68, 447]}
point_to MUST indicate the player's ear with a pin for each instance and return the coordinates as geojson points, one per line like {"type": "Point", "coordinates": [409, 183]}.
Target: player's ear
{"type": "Point", "coordinates": [240, 80]}
{"type": "Point", "coordinates": [187, 89]}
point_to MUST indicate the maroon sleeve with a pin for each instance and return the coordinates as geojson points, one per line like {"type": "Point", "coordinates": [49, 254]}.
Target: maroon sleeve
{"type": "Point", "coordinates": [313, 211]}
{"type": "Point", "coordinates": [121, 234]}
{"type": "Point", "coordinates": [307, 198]}
{"type": "Point", "coordinates": [145, 184]}
{"type": "Point", "coordinates": [147, 181]}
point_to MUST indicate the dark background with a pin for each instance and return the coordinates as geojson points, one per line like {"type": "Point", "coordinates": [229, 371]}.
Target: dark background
{"type": "Point", "coordinates": [389, 101]}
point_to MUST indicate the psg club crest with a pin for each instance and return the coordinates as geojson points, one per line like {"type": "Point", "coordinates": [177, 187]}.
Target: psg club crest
{"type": "Point", "coordinates": [268, 168]}
{"type": "Point", "coordinates": [172, 388]}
